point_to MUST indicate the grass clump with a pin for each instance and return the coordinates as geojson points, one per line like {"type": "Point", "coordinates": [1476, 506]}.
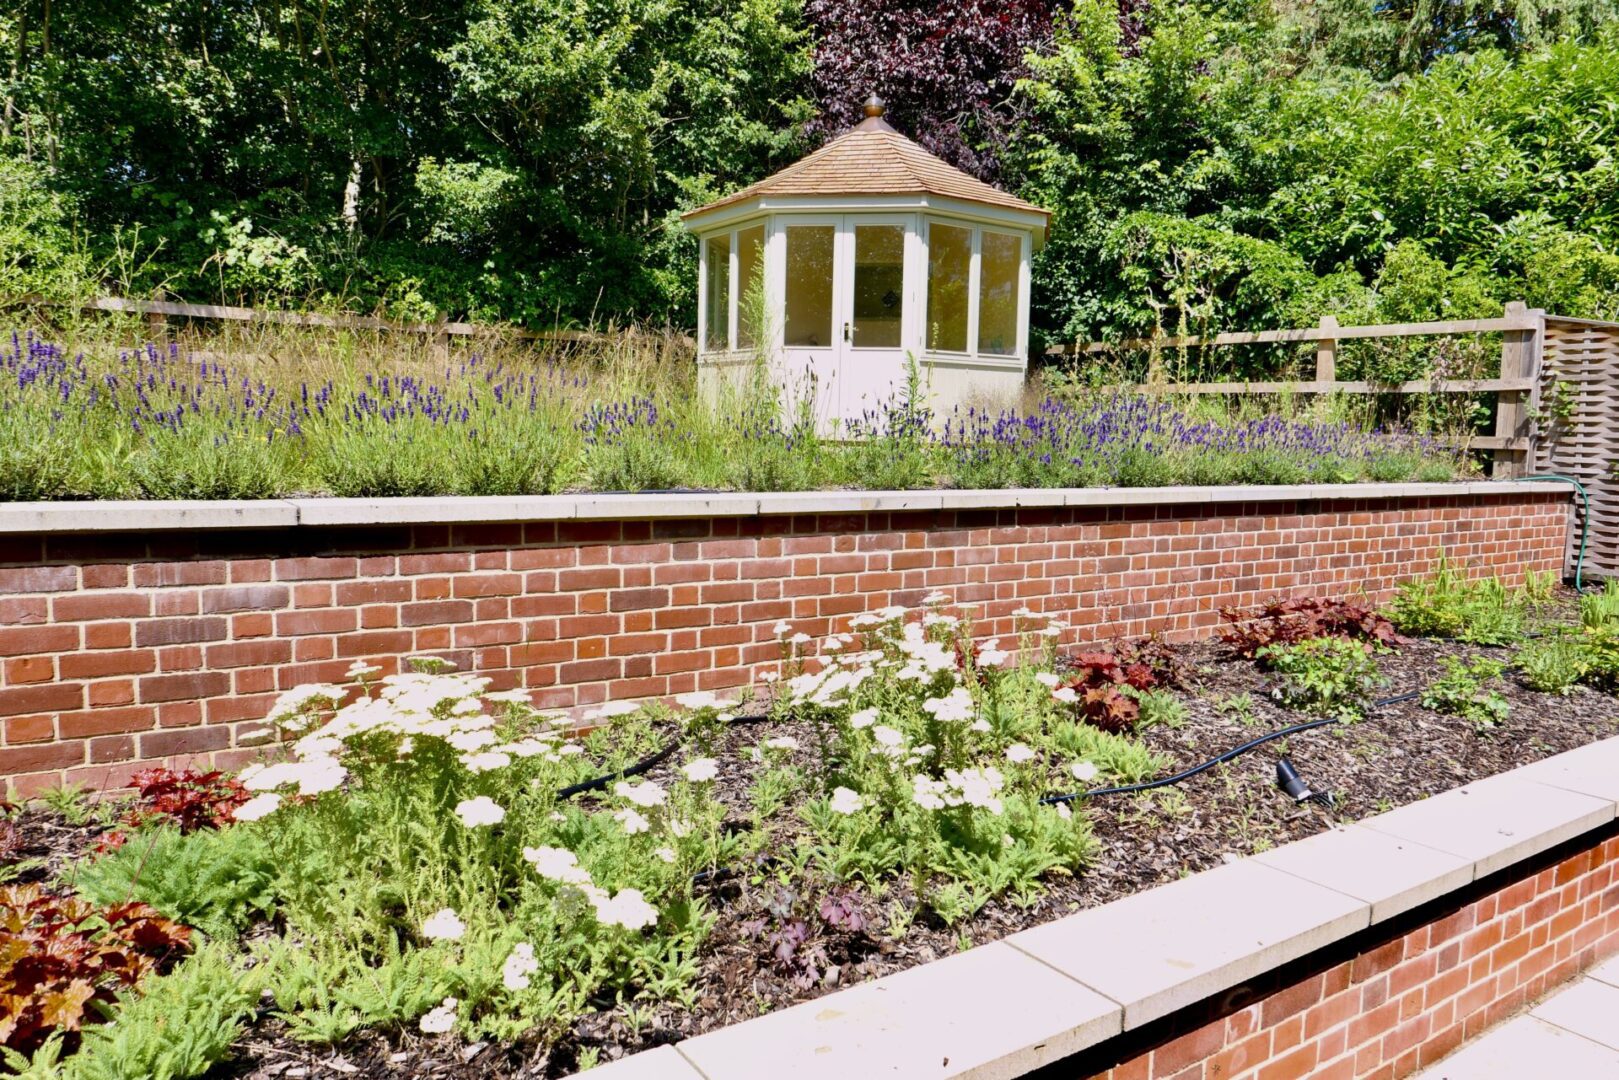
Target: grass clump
{"type": "Point", "coordinates": [1449, 604]}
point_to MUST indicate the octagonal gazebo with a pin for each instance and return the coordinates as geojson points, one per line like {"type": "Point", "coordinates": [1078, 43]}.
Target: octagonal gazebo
{"type": "Point", "coordinates": [836, 268]}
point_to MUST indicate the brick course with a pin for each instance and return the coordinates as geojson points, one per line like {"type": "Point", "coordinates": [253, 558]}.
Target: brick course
{"type": "Point", "coordinates": [1392, 1007]}
{"type": "Point", "coordinates": [165, 646]}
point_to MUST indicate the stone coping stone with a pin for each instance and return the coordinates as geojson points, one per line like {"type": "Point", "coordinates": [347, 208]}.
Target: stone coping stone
{"type": "Point", "coordinates": [992, 1012]}
{"type": "Point", "coordinates": [1496, 822]}
{"type": "Point", "coordinates": [1390, 874]}
{"type": "Point", "coordinates": [1008, 1007]}
{"type": "Point", "coordinates": [1171, 946]}
{"type": "Point", "coordinates": [183, 514]}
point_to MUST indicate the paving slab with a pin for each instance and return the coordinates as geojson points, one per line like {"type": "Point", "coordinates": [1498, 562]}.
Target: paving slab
{"type": "Point", "coordinates": [1496, 822]}
{"type": "Point", "coordinates": [989, 1013]}
{"type": "Point", "coordinates": [1168, 947]}
{"type": "Point", "coordinates": [435, 510]}
{"type": "Point", "coordinates": [1390, 874]}
{"type": "Point", "coordinates": [1528, 1048]}
{"type": "Point", "coordinates": [1590, 770]}
{"type": "Point", "coordinates": [146, 515]}
{"type": "Point", "coordinates": [664, 1063]}
{"type": "Point", "coordinates": [1589, 1008]}
{"type": "Point", "coordinates": [1607, 971]}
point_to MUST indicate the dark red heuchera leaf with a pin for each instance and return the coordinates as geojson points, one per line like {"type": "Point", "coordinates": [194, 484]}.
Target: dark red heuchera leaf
{"type": "Point", "coordinates": [1302, 618]}
{"type": "Point", "coordinates": [59, 955]}
{"type": "Point", "coordinates": [944, 68]}
{"type": "Point", "coordinates": [189, 799]}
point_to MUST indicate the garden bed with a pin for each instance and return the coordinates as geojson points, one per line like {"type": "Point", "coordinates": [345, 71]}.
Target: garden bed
{"type": "Point", "coordinates": [781, 936]}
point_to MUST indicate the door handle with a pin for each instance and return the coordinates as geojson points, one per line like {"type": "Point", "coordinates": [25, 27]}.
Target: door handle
{"type": "Point", "coordinates": [846, 336]}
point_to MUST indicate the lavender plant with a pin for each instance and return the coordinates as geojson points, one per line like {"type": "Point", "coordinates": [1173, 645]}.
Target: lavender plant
{"type": "Point", "coordinates": [159, 423]}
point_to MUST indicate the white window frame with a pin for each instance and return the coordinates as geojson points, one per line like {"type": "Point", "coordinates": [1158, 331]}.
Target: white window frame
{"type": "Point", "coordinates": [974, 277]}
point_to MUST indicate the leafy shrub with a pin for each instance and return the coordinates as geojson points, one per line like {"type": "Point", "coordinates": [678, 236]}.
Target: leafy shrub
{"type": "Point", "coordinates": [1160, 707]}
{"type": "Point", "coordinates": [1602, 608]}
{"type": "Point", "coordinates": [1302, 618]}
{"type": "Point", "coordinates": [1108, 688]}
{"type": "Point", "coordinates": [188, 799]}
{"type": "Point", "coordinates": [1331, 676]}
{"type": "Point", "coordinates": [217, 881]}
{"type": "Point", "coordinates": [1463, 690]}
{"type": "Point", "coordinates": [178, 1025]}
{"type": "Point", "coordinates": [1448, 605]}
{"type": "Point", "coordinates": [1553, 665]}
{"type": "Point", "coordinates": [61, 956]}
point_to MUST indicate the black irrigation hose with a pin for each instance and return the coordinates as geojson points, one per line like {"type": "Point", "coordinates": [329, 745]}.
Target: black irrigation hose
{"type": "Point", "coordinates": [645, 765]}
{"type": "Point", "coordinates": [648, 763]}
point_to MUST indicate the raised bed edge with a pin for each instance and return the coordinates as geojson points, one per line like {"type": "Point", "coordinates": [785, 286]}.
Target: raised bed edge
{"type": "Point", "coordinates": [1012, 1006]}
{"type": "Point", "coordinates": [126, 516]}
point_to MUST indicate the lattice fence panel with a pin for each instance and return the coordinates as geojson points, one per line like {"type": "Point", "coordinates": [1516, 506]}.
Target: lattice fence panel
{"type": "Point", "coordinates": [1578, 425]}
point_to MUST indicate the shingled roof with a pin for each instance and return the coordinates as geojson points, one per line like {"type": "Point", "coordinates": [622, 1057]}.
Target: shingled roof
{"type": "Point", "coordinates": [872, 158]}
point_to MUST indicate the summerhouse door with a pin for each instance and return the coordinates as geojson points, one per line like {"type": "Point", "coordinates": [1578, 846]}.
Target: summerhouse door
{"type": "Point", "coordinates": [874, 331]}
{"type": "Point", "coordinates": [845, 329]}
{"type": "Point", "coordinates": [811, 348]}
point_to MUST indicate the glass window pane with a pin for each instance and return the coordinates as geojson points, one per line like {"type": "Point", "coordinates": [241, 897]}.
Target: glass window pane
{"type": "Point", "coordinates": [879, 285]}
{"type": "Point", "coordinates": [750, 269]}
{"type": "Point", "coordinates": [998, 255]}
{"type": "Point", "coordinates": [809, 285]}
{"type": "Point", "coordinates": [717, 301]}
{"type": "Point", "coordinates": [950, 253]}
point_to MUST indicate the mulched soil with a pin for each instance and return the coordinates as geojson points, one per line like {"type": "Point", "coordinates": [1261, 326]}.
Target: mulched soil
{"type": "Point", "coordinates": [1402, 753]}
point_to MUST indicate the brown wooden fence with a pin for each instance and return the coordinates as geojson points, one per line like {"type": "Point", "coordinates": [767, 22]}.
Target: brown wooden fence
{"type": "Point", "coordinates": [437, 334]}
{"type": "Point", "coordinates": [1557, 394]}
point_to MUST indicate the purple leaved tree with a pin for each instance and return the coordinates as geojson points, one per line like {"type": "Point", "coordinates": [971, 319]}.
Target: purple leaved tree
{"type": "Point", "coordinates": [944, 68]}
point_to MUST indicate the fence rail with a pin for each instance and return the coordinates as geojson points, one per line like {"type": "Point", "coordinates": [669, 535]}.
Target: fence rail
{"type": "Point", "coordinates": [438, 334]}
{"type": "Point", "coordinates": [1557, 394]}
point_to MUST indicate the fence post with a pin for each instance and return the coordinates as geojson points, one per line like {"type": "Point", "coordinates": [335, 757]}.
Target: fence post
{"type": "Point", "coordinates": [1326, 352]}
{"type": "Point", "coordinates": [156, 324]}
{"type": "Point", "coordinates": [1512, 419]}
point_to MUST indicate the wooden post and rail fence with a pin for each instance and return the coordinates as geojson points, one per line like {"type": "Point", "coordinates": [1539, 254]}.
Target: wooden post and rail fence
{"type": "Point", "coordinates": [1557, 394]}
{"type": "Point", "coordinates": [1572, 364]}
{"type": "Point", "coordinates": [436, 335]}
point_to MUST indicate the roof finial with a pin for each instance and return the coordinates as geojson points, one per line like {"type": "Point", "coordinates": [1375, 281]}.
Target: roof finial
{"type": "Point", "coordinates": [874, 105]}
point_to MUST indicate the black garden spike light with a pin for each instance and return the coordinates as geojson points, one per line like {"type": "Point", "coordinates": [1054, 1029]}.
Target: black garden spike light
{"type": "Point", "coordinates": [1289, 780]}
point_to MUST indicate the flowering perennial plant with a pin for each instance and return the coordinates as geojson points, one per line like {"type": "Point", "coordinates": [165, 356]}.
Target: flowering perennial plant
{"type": "Point", "coordinates": [158, 423]}
{"type": "Point", "coordinates": [412, 835]}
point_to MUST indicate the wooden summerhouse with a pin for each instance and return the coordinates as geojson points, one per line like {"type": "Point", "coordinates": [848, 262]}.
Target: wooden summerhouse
{"type": "Point", "coordinates": [870, 250]}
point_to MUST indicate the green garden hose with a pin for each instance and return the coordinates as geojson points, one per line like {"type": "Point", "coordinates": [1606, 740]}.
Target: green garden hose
{"type": "Point", "coordinates": [1585, 520]}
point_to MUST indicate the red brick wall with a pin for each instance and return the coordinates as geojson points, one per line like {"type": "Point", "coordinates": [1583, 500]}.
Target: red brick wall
{"type": "Point", "coordinates": [1401, 1004]}
{"type": "Point", "coordinates": [163, 646]}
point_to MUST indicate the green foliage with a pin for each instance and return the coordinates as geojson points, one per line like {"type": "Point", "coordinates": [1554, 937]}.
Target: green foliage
{"type": "Point", "coordinates": [179, 1025]}
{"type": "Point", "coordinates": [218, 881]}
{"type": "Point", "coordinates": [1331, 676]}
{"type": "Point", "coordinates": [1464, 689]}
{"type": "Point", "coordinates": [1449, 604]}
{"type": "Point", "coordinates": [1554, 664]}
{"type": "Point", "coordinates": [1600, 609]}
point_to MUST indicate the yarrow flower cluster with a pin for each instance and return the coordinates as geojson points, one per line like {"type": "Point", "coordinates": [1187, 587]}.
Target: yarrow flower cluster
{"type": "Point", "coordinates": [444, 925]}
{"type": "Point", "coordinates": [627, 908]}
{"type": "Point", "coordinates": [960, 787]}
{"type": "Point", "coordinates": [478, 812]}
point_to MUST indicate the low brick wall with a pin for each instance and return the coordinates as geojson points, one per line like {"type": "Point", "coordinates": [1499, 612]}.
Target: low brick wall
{"type": "Point", "coordinates": [1398, 997]}
{"type": "Point", "coordinates": [129, 646]}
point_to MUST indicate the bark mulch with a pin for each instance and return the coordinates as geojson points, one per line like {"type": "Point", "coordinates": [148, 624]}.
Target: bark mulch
{"type": "Point", "coordinates": [1400, 753]}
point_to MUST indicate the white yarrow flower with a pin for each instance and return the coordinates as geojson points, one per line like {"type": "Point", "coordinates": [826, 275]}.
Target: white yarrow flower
{"type": "Point", "coordinates": [557, 864]}
{"type": "Point", "coordinates": [700, 770]}
{"type": "Point", "coordinates": [443, 925]}
{"type": "Point", "coordinates": [1017, 754]}
{"type": "Point", "coordinates": [257, 807]}
{"type": "Point", "coordinates": [1084, 771]}
{"type": "Point", "coordinates": [645, 794]}
{"type": "Point", "coordinates": [845, 801]}
{"type": "Point", "coordinates": [782, 742]}
{"type": "Point", "coordinates": [440, 1019]}
{"type": "Point", "coordinates": [479, 812]}
{"type": "Point", "coordinates": [632, 821]}
{"type": "Point", "coordinates": [519, 965]}
{"type": "Point", "coordinates": [863, 719]}
{"type": "Point", "coordinates": [628, 909]}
